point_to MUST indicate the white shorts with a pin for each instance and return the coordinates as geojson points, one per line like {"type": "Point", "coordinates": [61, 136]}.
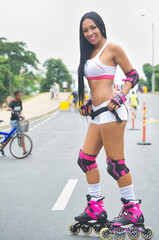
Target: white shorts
{"type": "Point", "coordinates": [107, 117]}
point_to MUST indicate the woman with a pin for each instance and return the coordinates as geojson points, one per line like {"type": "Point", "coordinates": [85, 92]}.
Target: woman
{"type": "Point", "coordinates": [98, 62]}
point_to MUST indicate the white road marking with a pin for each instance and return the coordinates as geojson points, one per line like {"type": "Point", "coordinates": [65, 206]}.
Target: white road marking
{"type": "Point", "coordinates": [151, 119]}
{"type": "Point", "coordinates": [52, 115]}
{"type": "Point", "coordinates": [47, 118]}
{"type": "Point", "coordinates": [65, 195]}
{"type": "Point", "coordinates": [39, 124]}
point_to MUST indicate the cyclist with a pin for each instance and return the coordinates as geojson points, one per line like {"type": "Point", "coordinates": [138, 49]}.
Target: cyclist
{"type": "Point", "coordinates": [15, 106]}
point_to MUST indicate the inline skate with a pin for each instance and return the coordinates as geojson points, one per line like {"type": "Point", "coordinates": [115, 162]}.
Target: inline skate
{"type": "Point", "coordinates": [132, 218]}
{"type": "Point", "coordinates": [94, 216]}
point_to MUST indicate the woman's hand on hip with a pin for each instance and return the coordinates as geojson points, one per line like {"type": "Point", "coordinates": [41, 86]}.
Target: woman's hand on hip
{"type": "Point", "coordinates": [86, 112]}
{"type": "Point", "coordinates": [112, 106]}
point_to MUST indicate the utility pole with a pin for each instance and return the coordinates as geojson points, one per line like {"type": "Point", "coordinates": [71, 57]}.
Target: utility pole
{"type": "Point", "coordinates": [153, 53]}
{"type": "Point", "coordinates": [153, 67]}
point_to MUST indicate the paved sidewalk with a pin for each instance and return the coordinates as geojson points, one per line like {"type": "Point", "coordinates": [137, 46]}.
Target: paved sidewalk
{"type": "Point", "coordinates": [36, 107]}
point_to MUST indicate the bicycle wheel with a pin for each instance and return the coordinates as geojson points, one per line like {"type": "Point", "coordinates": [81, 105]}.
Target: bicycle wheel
{"type": "Point", "coordinates": [17, 143]}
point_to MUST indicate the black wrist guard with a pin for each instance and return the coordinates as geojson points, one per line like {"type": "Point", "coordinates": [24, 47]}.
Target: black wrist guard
{"type": "Point", "coordinates": [119, 99]}
{"type": "Point", "coordinates": [87, 104]}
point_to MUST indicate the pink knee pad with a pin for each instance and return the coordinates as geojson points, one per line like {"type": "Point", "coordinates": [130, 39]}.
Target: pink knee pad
{"type": "Point", "coordinates": [87, 162]}
{"type": "Point", "coordinates": [117, 168]}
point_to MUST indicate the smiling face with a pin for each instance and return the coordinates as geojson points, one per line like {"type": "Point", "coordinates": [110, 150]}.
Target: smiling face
{"type": "Point", "coordinates": [91, 32]}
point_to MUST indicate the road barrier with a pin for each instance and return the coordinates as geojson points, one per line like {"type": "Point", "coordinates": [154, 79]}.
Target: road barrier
{"type": "Point", "coordinates": [144, 128]}
{"type": "Point", "coordinates": [64, 105]}
{"type": "Point", "coordinates": [133, 120]}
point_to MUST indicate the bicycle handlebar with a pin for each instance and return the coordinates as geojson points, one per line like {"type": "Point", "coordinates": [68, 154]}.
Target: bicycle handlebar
{"type": "Point", "coordinates": [20, 119]}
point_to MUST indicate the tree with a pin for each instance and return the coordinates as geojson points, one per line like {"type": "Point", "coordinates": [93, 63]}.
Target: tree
{"type": "Point", "coordinates": [13, 58]}
{"type": "Point", "coordinates": [142, 82]}
{"type": "Point", "coordinates": [25, 83]}
{"type": "Point", "coordinates": [157, 82]}
{"type": "Point", "coordinates": [56, 71]}
{"type": "Point", "coordinates": [147, 69]}
{"type": "Point", "coordinates": [17, 56]}
{"type": "Point", "coordinates": [5, 78]}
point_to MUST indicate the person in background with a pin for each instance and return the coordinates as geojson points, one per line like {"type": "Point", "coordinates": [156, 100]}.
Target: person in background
{"type": "Point", "coordinates": [133, 100]}
{"type": "Point", "coordinates": [65, 86]}
{"type": "Point", "coordinates": [75, 97]}
{"type": "Point", "coordinates": [15, 106]}
{"type": "Point", "coordinates": [52, 91]}
{"type": "Point", "coordinates": [57, 90]}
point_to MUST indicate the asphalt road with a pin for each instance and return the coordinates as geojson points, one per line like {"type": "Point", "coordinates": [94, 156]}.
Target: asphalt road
{"type": "Point", "coordinates": [30, 188]}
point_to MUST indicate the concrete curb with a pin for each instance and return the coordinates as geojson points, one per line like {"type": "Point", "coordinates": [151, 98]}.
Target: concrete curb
{"type": "Point", "coordinates": [33, 118]}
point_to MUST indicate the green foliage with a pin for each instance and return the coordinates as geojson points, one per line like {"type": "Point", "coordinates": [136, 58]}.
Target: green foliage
{"type": "Point", "coordinates": [157, 81]}
{"type": "Point", "coordinates": [157, 68]}
{"type": "Point", "coordinates": [13, 58]}
{"type": "Point", "coordinates": [147, 69]}
{"type": "Point", "coordinates": [56, 71]}
{"type": "Point", "coordinates": [142, 82]}
{"type": "Point", "coordinates": [17, 55]}
{"type": "Point", "coordinates": [5, 78]}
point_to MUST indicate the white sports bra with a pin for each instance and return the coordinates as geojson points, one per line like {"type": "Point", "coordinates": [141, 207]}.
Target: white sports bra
{"type": "Point", "coordinates": [96, 70]}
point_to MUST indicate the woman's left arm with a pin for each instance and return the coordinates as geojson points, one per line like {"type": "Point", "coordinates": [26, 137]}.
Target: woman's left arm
{"type": "Point", "coordinates": [121, 59]}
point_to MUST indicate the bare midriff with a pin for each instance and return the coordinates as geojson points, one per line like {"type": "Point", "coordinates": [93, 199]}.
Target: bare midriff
{"type": "Point", "coordinates": [101, 90]}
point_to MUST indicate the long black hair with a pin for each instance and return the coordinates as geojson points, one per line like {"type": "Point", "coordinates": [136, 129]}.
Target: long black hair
{"type": "Point", "coordinates": [86, 48]}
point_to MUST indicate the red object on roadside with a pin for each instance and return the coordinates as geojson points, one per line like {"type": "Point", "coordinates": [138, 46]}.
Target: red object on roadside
{"type": "Point", "coordinates": [144, 128]}
{"type": "Point", "coordinates": [133, 120]}
{"type": "Point", "coordinates": [144, 122]}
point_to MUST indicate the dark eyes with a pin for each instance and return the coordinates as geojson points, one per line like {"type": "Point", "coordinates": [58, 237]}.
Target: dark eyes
{"type": "Point", "coordinates": [85, 30]}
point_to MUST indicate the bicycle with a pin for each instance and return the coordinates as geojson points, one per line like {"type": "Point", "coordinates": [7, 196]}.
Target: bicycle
{"type": "Point", "coordinates": [18, 140]}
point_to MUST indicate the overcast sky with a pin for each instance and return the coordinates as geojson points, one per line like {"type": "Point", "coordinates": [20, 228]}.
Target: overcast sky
{"type": "Point", "coordinates": [50, 27]}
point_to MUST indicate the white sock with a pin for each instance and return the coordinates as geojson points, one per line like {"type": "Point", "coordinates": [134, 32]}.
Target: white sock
{"type": "Point", "coordinates": [94, 190]}
{"type": "Point", "coordinates": [128, 192]}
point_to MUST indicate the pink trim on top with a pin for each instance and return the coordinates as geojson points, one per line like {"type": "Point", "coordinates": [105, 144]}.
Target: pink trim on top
{"type": "Point", "coordinates": [87, 157]}
{"type": "Point", "coordinates": [98, 65]}
{"type": "Point", "coordinates": [101, 77]}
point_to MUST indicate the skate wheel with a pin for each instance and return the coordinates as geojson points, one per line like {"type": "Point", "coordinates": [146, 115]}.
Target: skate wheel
{"type": "Point", "coordinates": [105, 233]}
{"type": "Point", "coordinates": [74, 229]}
{"type": "Point", "coordinates": [147, 233]}
{"type": "Point", "coordinates": [97, 227]}
{"type": "Point", "coordinates": [133, 233]}
{"type": "Point", "coordinates": [120, 233]}
{"type": "Point", "coordinates": [86, 229]}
